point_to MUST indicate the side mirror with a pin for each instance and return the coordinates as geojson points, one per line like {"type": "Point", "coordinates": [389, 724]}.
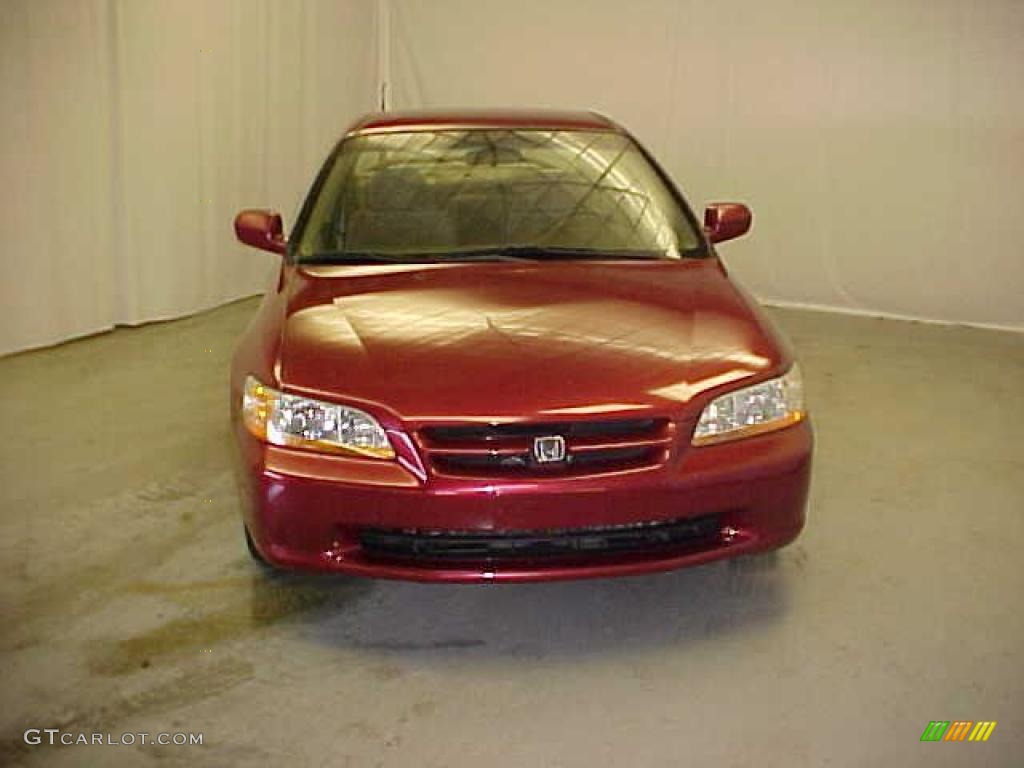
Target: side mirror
{"type": "Point", "coordinates": [724, 221]}
{"type": "Point", "coordinates": [261, 229]}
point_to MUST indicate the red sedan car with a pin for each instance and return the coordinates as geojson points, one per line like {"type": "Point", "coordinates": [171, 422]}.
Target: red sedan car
{"type": "Point", "coordinates": [501, 347]}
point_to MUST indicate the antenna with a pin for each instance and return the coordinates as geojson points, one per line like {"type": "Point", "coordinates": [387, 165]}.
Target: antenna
{"type": "Point", "coordinates": [383, 52]}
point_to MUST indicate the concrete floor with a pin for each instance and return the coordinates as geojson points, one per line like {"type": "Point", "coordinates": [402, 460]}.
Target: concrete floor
{"type": "Point", "coordinates": [130, 605]}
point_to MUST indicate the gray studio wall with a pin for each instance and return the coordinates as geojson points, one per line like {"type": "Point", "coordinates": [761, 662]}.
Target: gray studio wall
{"type": "Point", "coordinates": [132, 132]}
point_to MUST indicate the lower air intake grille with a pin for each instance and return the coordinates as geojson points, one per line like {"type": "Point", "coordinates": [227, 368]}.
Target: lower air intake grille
{"type": "Point", "coordinates": [553, 543]}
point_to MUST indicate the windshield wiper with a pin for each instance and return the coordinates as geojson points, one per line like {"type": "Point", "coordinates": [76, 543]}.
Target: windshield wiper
{"type": "Point", "coordinates": [542, 253]}
{"type": "Point", "coordinates": [495, 253]}
{"type": "Point", "coordinates": [354, 257]}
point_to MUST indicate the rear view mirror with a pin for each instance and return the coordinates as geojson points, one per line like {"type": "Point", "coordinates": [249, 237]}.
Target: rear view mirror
{"type": "Point", "coordinates": [261, 229]}
{"type": "Point", "coordinates": [724, 221]}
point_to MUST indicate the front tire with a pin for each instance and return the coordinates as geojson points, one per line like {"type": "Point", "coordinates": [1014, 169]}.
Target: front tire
{"type": "Point", "coordinates": [251, 546]}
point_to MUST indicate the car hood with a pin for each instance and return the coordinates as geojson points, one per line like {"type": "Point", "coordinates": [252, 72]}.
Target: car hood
{"type": "Point", "coordinates": [510, 340]}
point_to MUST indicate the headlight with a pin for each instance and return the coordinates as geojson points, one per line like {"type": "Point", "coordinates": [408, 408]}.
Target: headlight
{"type": "Point", "coordinates": [772, 404]}
{"type": "Point", "coordinates": [283, 419]}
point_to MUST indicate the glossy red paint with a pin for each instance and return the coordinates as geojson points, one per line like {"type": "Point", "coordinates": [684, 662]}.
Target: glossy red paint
{"type": "Point", "coordinates": [304, 510]}
{"type": "Point", "coordinates": [483, 118]}
{"type": "Point", "coordinates": [616, 339]}
{"type": "Point", "coordinates": [261, 229]}
{"type": "Point", "coordinates": [726, 221]}
{"type": "Point", "coordinates": [425, 345]}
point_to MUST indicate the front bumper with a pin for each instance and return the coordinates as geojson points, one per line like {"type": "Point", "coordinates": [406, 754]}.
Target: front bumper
{"type": "Point", "coordinates": [309, 511]}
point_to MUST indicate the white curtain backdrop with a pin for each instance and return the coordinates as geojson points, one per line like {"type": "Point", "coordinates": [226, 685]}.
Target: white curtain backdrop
{"type": "Point", "coordinates": [880, 143]}
{"type": "Point", "coordinates": [134, 130]}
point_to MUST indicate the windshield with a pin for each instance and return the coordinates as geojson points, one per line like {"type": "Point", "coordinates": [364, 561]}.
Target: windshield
{"type": "Point", "coordinates": [492, 195]}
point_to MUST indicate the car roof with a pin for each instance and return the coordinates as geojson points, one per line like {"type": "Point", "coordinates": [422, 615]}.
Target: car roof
{"type": "Point", "coordinates": [434, 119]}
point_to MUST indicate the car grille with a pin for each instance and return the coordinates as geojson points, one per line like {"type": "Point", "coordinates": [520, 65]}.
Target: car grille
{"type": "Point", "coordinates": [592, 447]}
{"type": "Point", "coordinates": [552, 543]}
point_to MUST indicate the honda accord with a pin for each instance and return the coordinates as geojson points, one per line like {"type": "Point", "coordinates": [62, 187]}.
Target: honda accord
{"type": "Point", "coordinates": [501, 347]}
